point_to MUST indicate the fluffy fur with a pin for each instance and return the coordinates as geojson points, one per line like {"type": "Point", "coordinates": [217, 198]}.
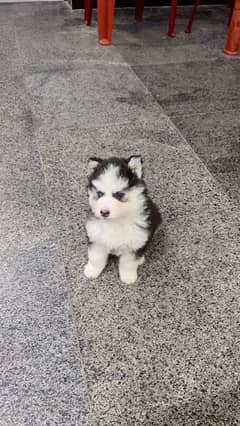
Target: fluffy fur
{"type": "Point", "coordinates": [123, 218]}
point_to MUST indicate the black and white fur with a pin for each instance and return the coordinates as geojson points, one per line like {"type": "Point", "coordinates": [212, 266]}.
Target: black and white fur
{"type": "Point", "coordinates": [123, 218]}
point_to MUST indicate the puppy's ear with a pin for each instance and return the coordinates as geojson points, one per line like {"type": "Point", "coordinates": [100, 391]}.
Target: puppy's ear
{"type": "Point", "coordinates": [135, 163]}
{"type": "Point", "coordinates": [93, 162]}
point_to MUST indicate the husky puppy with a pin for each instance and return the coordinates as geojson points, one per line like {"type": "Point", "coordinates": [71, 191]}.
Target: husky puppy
{"type": "Point", "coordinates": [123, 218]}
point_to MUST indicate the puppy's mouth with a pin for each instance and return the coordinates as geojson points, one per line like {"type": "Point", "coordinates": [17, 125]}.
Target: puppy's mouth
{"type": "Point", "coordinates": [105, 218]}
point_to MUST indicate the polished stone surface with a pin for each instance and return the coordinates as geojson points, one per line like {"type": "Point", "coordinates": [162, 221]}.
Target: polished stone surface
{"type": "Point", "coordinates": [111, 93]}
{"type": "Point", "coordinates": [54, 49]}
{"type": "Point", "coordinates": [231, 183]}
{"type": "Point", "coordinates": [25, 216]}
{"type": "Point", "coordinates": [42, 381]}
{"type": "Point", "coordinates": [193, 87]}
{"type": "Point", "coordinates": [212, 136]}
{"type": "Point", "coordinates": [10, 62]}
{"type": "Point", "coordinates": [169, 54]}
{"type": "Point", "coordinates": [163, 351]}
{"type": "Point", "coordinates": [216, 139]}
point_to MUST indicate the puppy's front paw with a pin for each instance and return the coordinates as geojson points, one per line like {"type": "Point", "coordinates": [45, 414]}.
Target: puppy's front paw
{"type": "Point", "coordinates": [128, 277]}
{"type": "Point", "coordinates": [90, 271]}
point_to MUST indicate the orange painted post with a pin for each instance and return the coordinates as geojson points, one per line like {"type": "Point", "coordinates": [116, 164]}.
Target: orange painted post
{"type": "Point", "coordinates": [105, 21]}
{"type": "Point", "coordinates": [172, 18]}
{"type": "Point", "coordinates": [88, 6]}
{"type": "Point", "coordinates": [233, 38]}
{"type": "Point", "coordinates": [193, 14]}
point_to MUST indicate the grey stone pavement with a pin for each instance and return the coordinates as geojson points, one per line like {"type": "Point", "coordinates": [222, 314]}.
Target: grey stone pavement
{"type": "Point", "coordinates": [164, 351]}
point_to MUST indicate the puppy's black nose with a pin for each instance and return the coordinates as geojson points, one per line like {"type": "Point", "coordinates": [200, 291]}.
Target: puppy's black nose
{"type": "Point", "coordinates": [105, 213]}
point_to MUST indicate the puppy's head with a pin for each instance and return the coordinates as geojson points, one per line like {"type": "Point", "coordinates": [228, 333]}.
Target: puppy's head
{"type": "Point", "coordinates": [115, 187]}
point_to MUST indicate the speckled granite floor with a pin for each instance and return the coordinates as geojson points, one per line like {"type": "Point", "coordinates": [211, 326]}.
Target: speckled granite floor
{"type": "Point", "coordinates": [164, 351]}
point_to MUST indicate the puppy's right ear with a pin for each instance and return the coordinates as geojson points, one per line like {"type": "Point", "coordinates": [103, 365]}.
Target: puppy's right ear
{"type": "Point", "coordinates": [93, 163]}
{"type": "Point", "coordinates": [135, 163]}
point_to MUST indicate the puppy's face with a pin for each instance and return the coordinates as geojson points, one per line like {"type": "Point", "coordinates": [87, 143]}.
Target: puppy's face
{"type": "Point", "coordinates": [115, 188]}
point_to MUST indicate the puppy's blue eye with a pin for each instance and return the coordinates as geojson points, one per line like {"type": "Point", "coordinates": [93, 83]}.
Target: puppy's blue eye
{"type": "Point", "coordinates": [119, 195]}
{"type": "Point", "coordinates": [100, 194]}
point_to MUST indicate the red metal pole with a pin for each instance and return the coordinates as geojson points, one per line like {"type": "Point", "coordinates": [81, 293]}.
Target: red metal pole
{"type": "Point", "coordinates": [172, 18]}
{"type": "Point", "coordinates": [190, 22]}
{"type": "Point", "coordinates": [88, 6]}
{"type": "Point", "coordinates": [105, 21]}
{"type": "Point", "coordinates": [233, 38]}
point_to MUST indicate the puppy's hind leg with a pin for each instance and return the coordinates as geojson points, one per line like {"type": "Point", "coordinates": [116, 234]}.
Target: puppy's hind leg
{"type": "Point", "coordinates": [97, 260]}
{"type": "Point", "coordinates": [128, 265]}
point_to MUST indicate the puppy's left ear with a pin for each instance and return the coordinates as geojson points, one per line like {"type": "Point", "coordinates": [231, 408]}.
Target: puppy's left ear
{"type": "Point", "coordinates": [135, 163]}
{"type": "Point", "coordinates": [93, 163]}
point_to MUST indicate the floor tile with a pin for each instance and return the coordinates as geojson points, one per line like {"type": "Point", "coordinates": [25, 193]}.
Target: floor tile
{"type": "Point", "coordinates": [230, 182]}
{"type": "Point", "coordinates": [193, 87]}
{"type": "Point", "coordinates": [224, 165]}
{"type": "Point", "coordinates": [170, 54]}
{"type": "Point", "coordinates": [206, 241]}
{"type": "Point", "coordinates": [36, 16]}
{"type": "Point", "coordinates": [52, 49]}
{"type": "Point", "coordinates": [212, 136]}
{"type": "Point", "coordinates": [25, 215]}
{"type": "Point", "coordinates": [10, 62]}
{"type": "Point", "coordinates": [13, 104]}
{"type": "Point", "coordinates": [41, 380]}
{"type": "Point", "coordinates": [6, 16]}
{"type": "Point", "coordinates": [89, 97]}
{"type": "Point", "coordinates": [215, 138]}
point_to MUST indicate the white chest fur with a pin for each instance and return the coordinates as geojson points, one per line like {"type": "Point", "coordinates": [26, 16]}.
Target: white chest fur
{"type": "Point", "coordinates": [117, 237]}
